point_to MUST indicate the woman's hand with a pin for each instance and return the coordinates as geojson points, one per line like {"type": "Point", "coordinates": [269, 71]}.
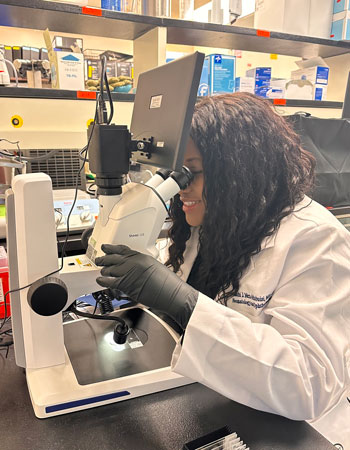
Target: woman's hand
{"type": "Point", "coordinates": [145, 280]}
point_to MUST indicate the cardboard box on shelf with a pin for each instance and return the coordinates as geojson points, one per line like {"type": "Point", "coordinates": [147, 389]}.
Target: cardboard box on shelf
{"type": "Point", "coordinates": [320, 92]}
{"type": "Point", "coordinates": [67, 68]}
{"type": "Point", "coordinates": [221, 70]}
{"type": "Point", "coordinates": [68, 44]}
{"type": "Point", "coordinates": [277, 88]}
{"type": "Point", "coordinates": [259, 73]}
{"type": "Point", "coordinates": [300, 17]}
{"type": "Point", "coordinates": [262, 78]}
{"type": "Point", "coordinates": [305, 90]}
{"type": "Point", "coordinates": [245, 84]}
{"type": "Point", "coordinates": [125, 69]}
{"type": "Point", "coordinates": [341, 26]}
{"type": "Point", "coordinates": [299, 90]}
{"type": "Point", "coordinates": [218, 75]}
{"type": "Point", "coordinates": [313, 69]}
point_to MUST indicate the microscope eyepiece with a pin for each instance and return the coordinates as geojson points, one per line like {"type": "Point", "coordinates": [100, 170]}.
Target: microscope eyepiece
{"type": "Point", "coordinates": [183, 178]}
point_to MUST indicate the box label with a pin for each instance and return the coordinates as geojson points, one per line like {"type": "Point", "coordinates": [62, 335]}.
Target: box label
{"type": "Point", "coordinates": [156, 101]}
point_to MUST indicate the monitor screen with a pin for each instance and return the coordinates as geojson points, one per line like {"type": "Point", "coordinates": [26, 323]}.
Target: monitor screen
{"type": "Point", "coordinates": [346, 104]}
{"type": "Point", "coordinates": [163, 109]}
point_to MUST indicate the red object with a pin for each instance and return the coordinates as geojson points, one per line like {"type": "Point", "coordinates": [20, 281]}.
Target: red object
{"type": "Point", "coordinates": [4, 284]}
{"type": "Point", "coordinates": [91, 11]}
{"type": "Point", "coordinates": [280, 101]}
{"type": "Point", "coordinates": [263, 33]}
{"type": "Point", "coordinates": [332, 35]}
{"type": "Point", "coordinates": [86, 94]}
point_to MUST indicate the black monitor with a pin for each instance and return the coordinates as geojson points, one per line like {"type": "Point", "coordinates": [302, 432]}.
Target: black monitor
{"type": "Point", "coordinates": [346, 104]}
{"type": "Point", "coordinates": [163, 109]}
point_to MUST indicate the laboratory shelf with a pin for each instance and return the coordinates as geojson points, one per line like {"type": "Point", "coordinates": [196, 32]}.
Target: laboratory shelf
{"type": "Point", "coordinates": [61, 94]}
{"type": "Point", "coordinates": [61, 17]}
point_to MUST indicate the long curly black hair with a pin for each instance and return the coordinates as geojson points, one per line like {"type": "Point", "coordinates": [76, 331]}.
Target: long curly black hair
{"type": "Point", "coordinates": [255, 171]}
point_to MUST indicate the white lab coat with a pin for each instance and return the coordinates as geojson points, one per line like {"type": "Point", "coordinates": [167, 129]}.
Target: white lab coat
{"type": "Point", "coordinates": [283, 343]}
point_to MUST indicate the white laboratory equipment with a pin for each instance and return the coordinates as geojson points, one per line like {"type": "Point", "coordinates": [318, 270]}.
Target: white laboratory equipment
{"type": "Point", "coordinates": [77, 364]}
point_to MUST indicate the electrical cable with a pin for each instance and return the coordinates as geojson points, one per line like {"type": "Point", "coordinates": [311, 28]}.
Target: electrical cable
{"type": "Point", "coordinates": [102, 110]}
{"type": "Point", "coordinates": [95, 316]}
{"type": "Point", "coordinates": [91, 191]}
{"type": "Point", "coordinates": [100, 99]}
{"type": "Point", "coordinates": [21, 158]}
{"type": "Point", "coordinates": [111, 107]}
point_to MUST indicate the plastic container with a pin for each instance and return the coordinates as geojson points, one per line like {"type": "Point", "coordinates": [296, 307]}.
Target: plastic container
{"type": "Point", "coordinates": [4, 284]}
{"type": "Point", "coordinates": [113, 5]}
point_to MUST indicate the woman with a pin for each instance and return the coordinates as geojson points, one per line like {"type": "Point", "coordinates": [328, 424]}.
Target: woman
{"type": "Point", "coordinates": [244, 233]}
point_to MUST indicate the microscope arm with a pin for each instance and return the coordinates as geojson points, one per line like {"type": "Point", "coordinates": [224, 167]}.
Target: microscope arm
{"type": "Point", "coordinates": [137, 216]}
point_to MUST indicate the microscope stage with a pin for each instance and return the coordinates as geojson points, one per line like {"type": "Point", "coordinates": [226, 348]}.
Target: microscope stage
{"type": "Point", "coordinates": [95, 357]}
{"type": "Point", "coordinates": [97, 372]}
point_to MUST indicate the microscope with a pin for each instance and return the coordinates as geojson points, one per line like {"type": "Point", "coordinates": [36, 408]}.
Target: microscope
{"type": "Point", "coordinates": [79, 364]}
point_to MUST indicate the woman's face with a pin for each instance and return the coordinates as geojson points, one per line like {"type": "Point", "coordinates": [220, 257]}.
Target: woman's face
{"type": "Point", "coordinates": [192, 196]}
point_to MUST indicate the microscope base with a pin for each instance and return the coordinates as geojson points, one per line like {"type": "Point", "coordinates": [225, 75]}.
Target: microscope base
{"type": "Point", "coordinates": [96, 372]}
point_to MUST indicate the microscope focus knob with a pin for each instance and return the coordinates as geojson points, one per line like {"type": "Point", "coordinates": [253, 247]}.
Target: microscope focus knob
{"type": "Point", "coordinates": [47, 296]}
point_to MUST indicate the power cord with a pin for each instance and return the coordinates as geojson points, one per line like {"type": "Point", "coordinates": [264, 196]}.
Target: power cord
{"type": "Point", "coordinates": [19, 157]}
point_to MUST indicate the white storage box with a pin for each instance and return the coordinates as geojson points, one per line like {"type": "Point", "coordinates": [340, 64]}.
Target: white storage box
{"type": "Point", "coordinates": [67, 68]}
{"type": "Point", "coordinates": [277, 88]}
{"type": "Point", "coordinates": [299, 90]}
{"type": "Point", "coordinates": [245, 84]}
{"type": "Point", "coordinates": [305, 90]}
{"type": "Point", "coordinates": [313, 69]}
{"type": "Point", "coordinates": [300, 17]}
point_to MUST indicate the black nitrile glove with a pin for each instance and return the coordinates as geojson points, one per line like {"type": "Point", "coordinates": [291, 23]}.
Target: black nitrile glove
{"type": "Point", "coordinates": [146, 281]}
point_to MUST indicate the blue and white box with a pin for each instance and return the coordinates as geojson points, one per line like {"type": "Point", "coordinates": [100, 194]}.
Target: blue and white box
{"type": "Point", "coordinates": [340, 6]}
{"type": "Point", "coordinates": [313, 69]}
{"type": "Point", "coordinates": [221, 71]}
{"type": "Point", "coordinates": [320, 92]}
{"type": "Point", "coordinates": [341, 20]}
{"type": "Point", "coordinates": [262, 78]}
{"type": "Point", "coordinates": [341, 26]}
{"type": "Point", "coordinates": [203, 89]}
{"type": "Point", "coordinates": [259, 73]}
